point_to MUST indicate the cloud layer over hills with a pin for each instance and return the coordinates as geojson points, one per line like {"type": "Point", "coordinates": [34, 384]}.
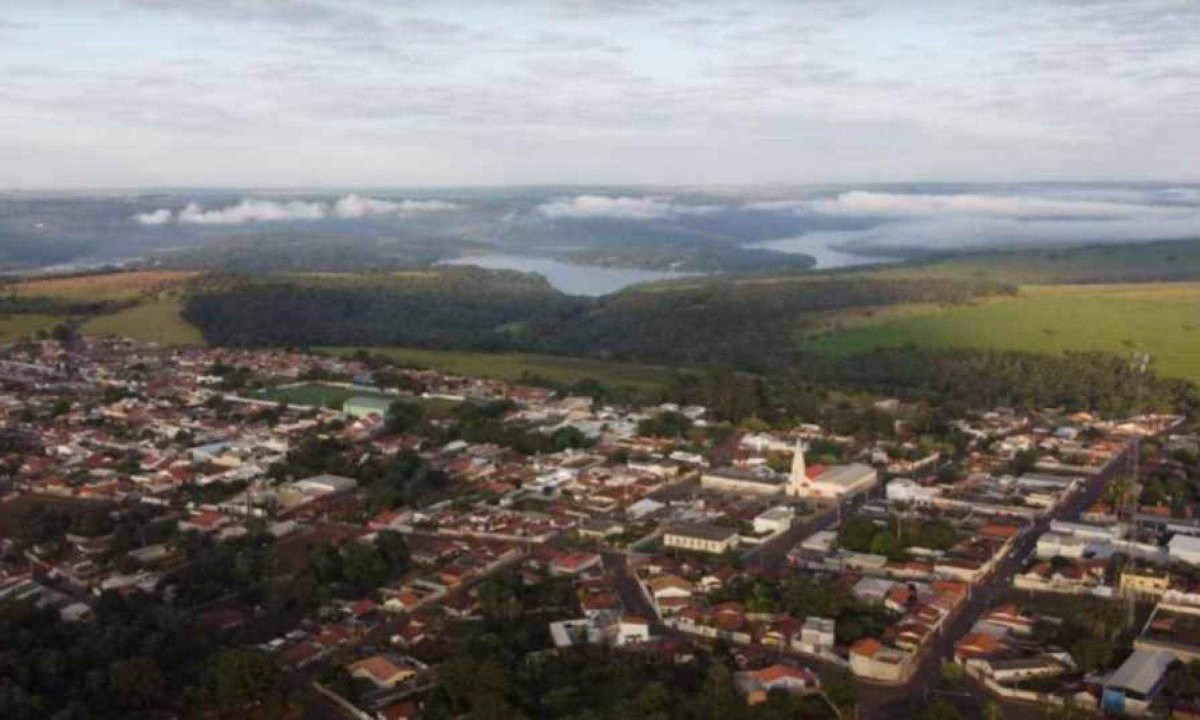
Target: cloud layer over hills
{"type": "Point", "coordinates": [250, 210]}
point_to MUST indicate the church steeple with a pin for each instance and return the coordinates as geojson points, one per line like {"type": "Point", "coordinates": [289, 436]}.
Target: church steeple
{"type": "Point", "coordinates": [799, 470]}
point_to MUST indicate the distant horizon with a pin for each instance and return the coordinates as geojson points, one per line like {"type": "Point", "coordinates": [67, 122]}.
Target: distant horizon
{"type": "Point", "coordinates": [813, 185]}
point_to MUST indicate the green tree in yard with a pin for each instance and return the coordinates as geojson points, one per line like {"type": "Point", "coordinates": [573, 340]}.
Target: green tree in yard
{"type": "Point", "coordinates": [325, 563]}
{"type": "Point", "coordinates": [857, 534]}
{"type": "Point", "coordinates": [718, 700]}
{"type": "Point", "coordinates": [1024, 461]}
{"type": "Point", "coordinates": [884, 543]}
{"type": "Point", "coordinates": [64, 333]}
{"type": "Point", "coordinates": [666, 424]}
{"type": "Point", "coordinates": [364, 566]}
{"type": "Point", "coordinates": [404, 415]}
{"type": "Point", "coordinates": [992, 710]}
{"type": "Point", "coordinates": [1091, 653]}
{"type": "Point", "coordinates": [241, 677]}
{"type": "Point", "coordinates": [569, 437]}
{"type": "Point", "coordinates": [940, 709]}
{"type": "Point", "coordinates": [394, 549]}
{"type": "Point", "coordinates": [138, 683]}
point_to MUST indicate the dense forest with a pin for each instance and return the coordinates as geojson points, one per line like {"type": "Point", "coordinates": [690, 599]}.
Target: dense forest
{"type": "Point", "coordinates": [988, 378]}
{"type": "Point", "coordinates": [750, 323]}
{"type": "Point", "coordinates": [136, 658]}
{"type": "Point", "coordinates": [457, 307]}
{"type": "Point", "coordinates": [298, 251]}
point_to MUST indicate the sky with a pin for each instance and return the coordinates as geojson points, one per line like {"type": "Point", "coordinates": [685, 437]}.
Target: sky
{"type": "Point", "coordinates": [362, 93]}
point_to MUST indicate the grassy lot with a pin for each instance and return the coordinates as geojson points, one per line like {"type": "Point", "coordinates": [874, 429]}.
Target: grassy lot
{"type": "Point", "coordinates": [313, 394]}
{"type": "Point", "coordinates": [101, 286]}
{"type": "Point", "coordinates": [333, 396]}
{"type": "Point", "coordinates": [152, 321]}
{"type": "Point", "coordinates": [513, 366]}
{"type": "Point", "coordinates": [1160, 318]}
{"type": "Point", "coordinates": [15, 327]}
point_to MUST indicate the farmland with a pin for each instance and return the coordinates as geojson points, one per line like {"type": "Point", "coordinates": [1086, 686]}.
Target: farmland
{"type": "Point", "coordinates": [151, 321]}
{"type": "Point", "coordinates": [14, 327]}
{"type": "Point", "coordinates": [99, 286]}
{"type": "Point", "coordinates": [1162, 319]}
{"type": "Point", "coordinates": [515, 366]}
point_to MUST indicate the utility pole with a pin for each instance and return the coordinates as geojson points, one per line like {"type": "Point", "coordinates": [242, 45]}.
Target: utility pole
{"type": "Point", "coordinates": [1141, 363]}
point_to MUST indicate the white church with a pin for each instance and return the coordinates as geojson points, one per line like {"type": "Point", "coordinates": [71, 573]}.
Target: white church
{"type": "Point", "coordinates": [833, 482]}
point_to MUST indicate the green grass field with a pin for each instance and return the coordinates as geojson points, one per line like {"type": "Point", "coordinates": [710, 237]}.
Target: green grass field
{"type": "Point", "coordinates": [16, 327]}
{"type": "Point", "coordinates": [100, 286]}
{"type": "Point", "coordinates": [318, 394]}
{"type": "Point", "coordinates": [153, 321]}
{"type": "Point", "coordinates": [314, 394]}
{"type": "Point", "coordinates": [513, 366]}
{"type": "Point", "coordinates": [1162, 319]}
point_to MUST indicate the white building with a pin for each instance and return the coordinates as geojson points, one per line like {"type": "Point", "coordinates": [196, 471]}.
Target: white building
{"type": "Point", "coordinates": [907, 491]}
{"type": "Point", "coordinates": [643, 508]}
{"type": "Point", "coordinates": [821, 541]}
{"type": "Point", "coordinates": [701, 537]}
{"type": "Point", "coordinates": [774, 520]}
{"type": "Point", "coordinates": [1102, 533]}
{"type": "Point", "coordinates": [1055, 544]}
{"type": "Point", "coordinates": [836, 482]}
{"type": "Point", "coordinates": [633, 630]}
{"type": "Point", "coordinates": [580, 631]}
{"type": "Point", "coordinates": [760, 481]}
{"type": "Point", "coordinates": [325, 484]}
{"type": "Point", "coordinates": [765, 443]}
{"type": "Point", "coordinates": [1185, 548]}
{"type": "Point", "coordinates": [816, 636]}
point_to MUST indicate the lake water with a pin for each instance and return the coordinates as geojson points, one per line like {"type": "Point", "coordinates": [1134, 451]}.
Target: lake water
{"type": "Point", "coordinates": [567, 277]}
{"type": "Point", "coordinates": [591, 280]}
{"type": "Point", "coordinates": [821, 247]}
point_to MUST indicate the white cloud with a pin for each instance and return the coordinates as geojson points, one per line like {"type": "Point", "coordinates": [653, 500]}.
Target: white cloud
{"type": "Point", "coordinates": [1026, 216]}
{"type": "Point", "coordinates": [248, 211]}
{"type": "Point", "coordinates": [962, 232]}
{"type": "Point", "coordinates": [357, 206]}
{"type": "Point", "coordinates": [253, 211]}
{"type": "Point", "coordinates": [625, 207]}
{"type": "Point", "coordinates": [922, 205]}
{"type": "Point", "coordinates": [162, 216]}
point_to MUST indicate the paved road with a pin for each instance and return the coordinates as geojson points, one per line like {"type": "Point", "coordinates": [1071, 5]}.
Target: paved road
{"type": "Point", "coordinates": [772, 555]}
{"type": "Point", "coordinates": [897, 701]}
{"type": "Point", "coordinates": [617, 566]}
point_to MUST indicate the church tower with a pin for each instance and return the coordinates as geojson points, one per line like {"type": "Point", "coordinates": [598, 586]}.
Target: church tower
{"type": "Point", "coordinates": [799, 476]}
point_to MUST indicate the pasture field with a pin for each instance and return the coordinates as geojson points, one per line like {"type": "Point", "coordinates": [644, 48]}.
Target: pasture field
{"type": "Point", "coordinates": [1168, 260]}
{"type": "Point", "coordinates": [156, 321]}
{"type": "Point", "coordinates": [16, 327]}
{"type": "Point", "coordinates": [514, 366]}
{"type": "Point", "coordinates": [1162, 319]}
{"type": "Point", "coordinates": [100, 286]}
